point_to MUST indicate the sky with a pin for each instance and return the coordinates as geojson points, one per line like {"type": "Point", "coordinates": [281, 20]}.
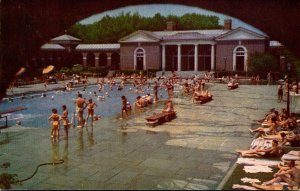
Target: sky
{"type": "Point", "coordinates": [168, 9]}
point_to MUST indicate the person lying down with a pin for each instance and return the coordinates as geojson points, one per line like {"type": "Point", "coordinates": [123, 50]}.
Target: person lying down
{"type": "Point", "coordinates": [274, 151]}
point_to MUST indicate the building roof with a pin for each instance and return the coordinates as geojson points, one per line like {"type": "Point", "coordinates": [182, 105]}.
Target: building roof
{"type": "Point", "coordinates": [141, 36]}
{"type": "Point", "coordinates": [65, 39]}
{"type": "Point", "coordinates": [97, 47]}
{"type": "Point", "coordinates": [213, 32]}
{"type": "Point", "coordinates": [241, 33]}
{"type": "Point", "coordinates": [156, 36]}
{"type": "Point", "coordinates": [49, 46]}
{"type": "Point", "coordinates": [188, 36]}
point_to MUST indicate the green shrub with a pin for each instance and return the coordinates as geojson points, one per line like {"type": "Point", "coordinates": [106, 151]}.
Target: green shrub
{"type": "Point", "coordinates": [77, 68]}
{"type": "Point", "coordinates": [262, 64]}
{"type": "Point", "coordinates": [99, 71]}
{"type": "Point", "coordinates": [66, 70]}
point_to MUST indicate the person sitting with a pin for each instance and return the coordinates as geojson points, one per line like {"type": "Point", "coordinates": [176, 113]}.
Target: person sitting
{"type": "Point", "coordinates": [128, 106]}
{"type": "Point", "coordinates": [139, 102]}
{"type": "Point", "coordinates": [144, 101]}
{"type": "Point", "coordinates": [272, 129]}
{"type": "Point", "coordinates": [149, 99]}
{"type": "Point", "coordinates": [294, 139]}
{"type": "Point", "coordinates": [168, 106]}
{"type": "Point", "coordinates": [274, 151]}
{"type": "Point", "coordinates": [186, 88]}
{"type": "Point", "coordinates": [290, 175]}
{"type": "Point", "coordinates": [282, 137]}
{"type": "Point", "coordinates": [267, 115]}
{"type": "Point", "coordinates": [291, 122]}
{"type": "Point", "coordinates": [205, 93]}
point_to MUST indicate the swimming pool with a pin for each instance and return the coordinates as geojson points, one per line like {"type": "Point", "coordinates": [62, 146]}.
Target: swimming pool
{"type": "Point", "coordinates": [39, 108]}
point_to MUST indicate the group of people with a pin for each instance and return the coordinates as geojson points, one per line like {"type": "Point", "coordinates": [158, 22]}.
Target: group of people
{"type": "Point", "coordinates": [282, 129]}
{"type": "Point", "coordinates": [143, 101]}
{"type": "Point", "coordinates": [197, 88]}
{"type": "Point", "coordinates": [81, 105]}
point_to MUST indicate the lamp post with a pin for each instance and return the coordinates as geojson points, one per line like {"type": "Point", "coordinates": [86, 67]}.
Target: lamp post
{"type": "Point", "coordinates": [288, 88]}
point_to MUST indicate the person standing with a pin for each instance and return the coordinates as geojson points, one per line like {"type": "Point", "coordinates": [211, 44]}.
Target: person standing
{"type": "Point", "coordinates": [80, 106]}
{"type": "Point", "coordinates": [155, 89]}
{"type": "Point", "coordinates": [91, 106]}
{"type": "Point", "coordinates": [45, 85]}
{"type": "Point", "coordinates": [124, 106]}
{"type": "Point", "coordinates": [170, 88]}
{"type": "Point", "coordinates": [54, 117]}
{"type": "Point", "coordinates": [65, 120]}
{"type": "Point", "coordinates": [269, 78]}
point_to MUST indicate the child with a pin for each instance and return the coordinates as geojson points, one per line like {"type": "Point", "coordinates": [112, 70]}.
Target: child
{"type": "Point", "coordinates": [54, 117]}
{"type": "Point", "coordinates": [91, 105]}
{"type": "Point", "coordinates": [65, 120]}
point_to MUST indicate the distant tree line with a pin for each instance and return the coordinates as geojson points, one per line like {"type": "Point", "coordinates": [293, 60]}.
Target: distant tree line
{"type": "Point", "coordinates": [111, 29]}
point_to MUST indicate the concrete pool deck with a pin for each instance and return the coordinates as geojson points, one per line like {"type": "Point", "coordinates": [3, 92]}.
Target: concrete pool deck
{"type": "Point", "coordinates": [194, 151]}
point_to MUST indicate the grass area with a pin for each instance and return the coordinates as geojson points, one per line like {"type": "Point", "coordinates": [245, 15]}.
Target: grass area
{"type": "Point", "coordinates": [239, 173]}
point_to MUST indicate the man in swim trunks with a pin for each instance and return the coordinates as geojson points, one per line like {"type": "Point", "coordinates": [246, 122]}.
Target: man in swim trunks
{"type": "Point", "coordinates": [80, 106]}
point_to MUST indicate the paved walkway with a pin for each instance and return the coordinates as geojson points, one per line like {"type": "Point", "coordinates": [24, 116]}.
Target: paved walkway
{"type": "Point", "coordinates": [34, 88]}
{"type": "Point", "coordinates": [194, 151]}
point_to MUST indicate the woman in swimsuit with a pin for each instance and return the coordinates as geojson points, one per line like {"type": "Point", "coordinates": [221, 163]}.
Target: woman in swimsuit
{"type": "Point", "coordinates": [90, 106]}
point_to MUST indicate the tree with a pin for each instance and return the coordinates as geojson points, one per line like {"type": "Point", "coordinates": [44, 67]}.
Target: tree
{"type": "Point", "coordinates": [262, 63]}
{"type": "Point", "coordinates": [111, 29]}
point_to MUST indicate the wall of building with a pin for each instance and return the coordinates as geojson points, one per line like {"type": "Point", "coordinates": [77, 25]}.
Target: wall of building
{"type": "Point", "coordinates": [225, 49]}
{"type": "Point", "coordinates": [153, 55]}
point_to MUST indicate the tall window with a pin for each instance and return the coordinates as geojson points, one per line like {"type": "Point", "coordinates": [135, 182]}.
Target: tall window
{"type": "Point", "coordinates": [240, 59]}
{"type": "Point", "coordinates": [139, 59]}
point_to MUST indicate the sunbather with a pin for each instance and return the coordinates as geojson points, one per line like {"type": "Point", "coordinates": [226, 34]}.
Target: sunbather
{"type": "Point", "coordinates": [272, 129]}
{"type": "Point", "coordinates": [290, 175]}
{"type": "Point", "coordinates": [274, 151]}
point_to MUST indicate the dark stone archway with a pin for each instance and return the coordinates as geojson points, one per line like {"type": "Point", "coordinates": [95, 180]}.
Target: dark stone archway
{"type": "Point", "coordinates": [27, 24]}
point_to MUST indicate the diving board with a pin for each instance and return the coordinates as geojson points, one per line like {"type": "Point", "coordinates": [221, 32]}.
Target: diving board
{"type": "Point", "coordinates": [12, 110]}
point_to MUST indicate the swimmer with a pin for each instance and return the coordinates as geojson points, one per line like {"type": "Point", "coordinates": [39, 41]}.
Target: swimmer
{"type": "Point", "coordinates": [106, 93]}
{"type": "Point", "coordinates": [52, 97]}
{"type": "Point", "coordinates": [18, 123]}
{"type": "Point", "coordinates": [43, 95]}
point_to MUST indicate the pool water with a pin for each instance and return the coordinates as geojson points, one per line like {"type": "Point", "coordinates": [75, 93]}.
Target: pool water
{"type": "Point", "coordinates": [39, 108]}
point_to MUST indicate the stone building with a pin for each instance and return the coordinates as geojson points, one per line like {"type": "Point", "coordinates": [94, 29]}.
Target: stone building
{"type": "Point", "coordinates": [192, 50]}
{"type": "Point", "coordinates": [169, 50]}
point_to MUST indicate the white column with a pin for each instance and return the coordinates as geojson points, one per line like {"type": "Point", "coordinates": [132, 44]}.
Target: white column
{"type": "Point", "coordinates": [84, 59]}
{"type": "Point", "coordinates": [96, 59]}
{"type": "Point", "coordinates": [234, 62]}
{"type": "Point", "coordinates": [196, 58]}
{"type": "Point", "coordinates": [108, 63]}
{"type": "Point", "coordinates": [212, 62]}
{"type": "Point", "coordinates": [246, 62]}
{"type": "Point", "coordinates": [163, 58]}
{"type": "Point", "coordinates": [144, 62]}
{"type": "Point", "coordinates": [134, 61]}
{"type": "Point", "coordinates": [179, 58]}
